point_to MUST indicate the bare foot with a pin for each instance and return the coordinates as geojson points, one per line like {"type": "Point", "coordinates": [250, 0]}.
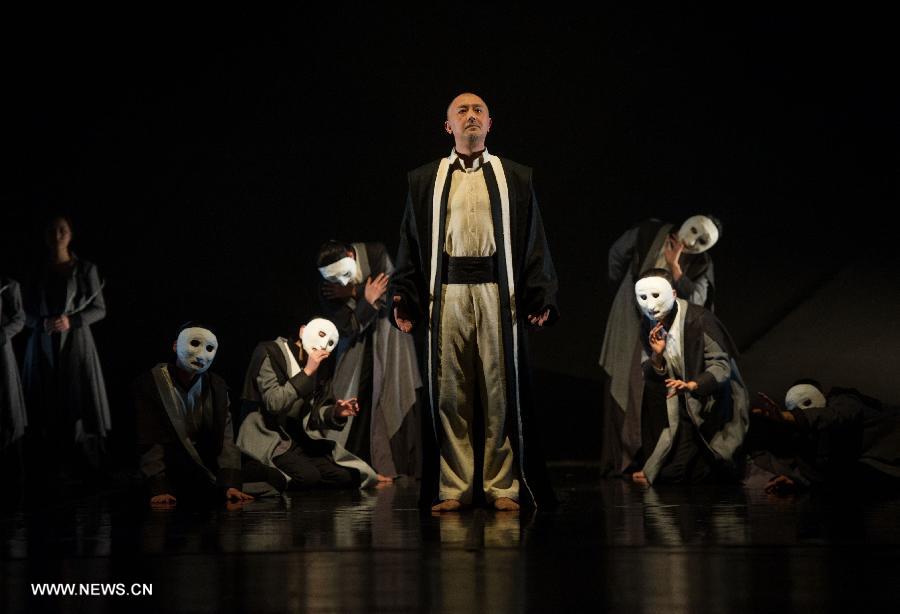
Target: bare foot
{"type": "Point", "coordinates": [383, 478]}
{"type": "Point", "coordinates": [447, 505]}
{"type": "Point", "coordinates": [505, 504]}
{"type": "Point", "coordinates": [638, 477]}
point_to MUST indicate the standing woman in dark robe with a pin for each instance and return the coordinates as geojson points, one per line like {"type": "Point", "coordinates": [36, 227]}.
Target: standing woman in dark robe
{"type": "Point", "coordinates": [63, 380]}
{"type": "Point", "coordinates": [12, 400]}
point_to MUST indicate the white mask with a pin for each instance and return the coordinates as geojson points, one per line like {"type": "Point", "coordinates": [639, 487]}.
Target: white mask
{"type": "Point", "coordinates": [804, 396]}
{"type": "Point", "coordinates": [341, 272]}
{"type": "Point", "coordinates": [698, 234]}
{"type": "Point", "coordinates": [196, 348]}
{"type": "Point", "coordinates": [320, 334]}
{"type": "Point", "coordinates": [655, 297]}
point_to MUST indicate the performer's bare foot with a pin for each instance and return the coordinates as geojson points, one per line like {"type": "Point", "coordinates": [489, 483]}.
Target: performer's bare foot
{"type": "Point", "coordinates": [383, 478]}
{"type": "Point", "coordinates": [447, 505]}
{"type": "Point", "coordinates": [505, 504]}
{"type": "Point", "coordinates": [638, 477]}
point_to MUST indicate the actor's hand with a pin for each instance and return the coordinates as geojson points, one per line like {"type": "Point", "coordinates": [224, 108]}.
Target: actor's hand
{"type": "Point", "coordinates": [781, 485]}
{"type": "Point", "coordinates": [537, 320]}
{"type": "Point", "coordinates": [770, 410]}
{"type": "Point", "coordinates": [162, 501]}
{"type": "Point", "coordinates": [315, 358]}
{"type": "Point", "coordinates": [333, 291]}
{"type": "Point", "coordinates": [234, 495]}
{"type": "Point", "coordinates": [347, 408]}
{"type": "Point", "coordinates": [676, 384]}
{"type": "Point", "coordinates": [56, 324]}
{"type": "Point", "coordinates": [375, 288]}
{"type": "Point", "coordinates": [658, 339]}
{"type": "Point", "coordinates": [766, 406]}
{"type": "Point", "coordinates": [401, 317]}
{"type": "Point", "coordinates": [672, 251]}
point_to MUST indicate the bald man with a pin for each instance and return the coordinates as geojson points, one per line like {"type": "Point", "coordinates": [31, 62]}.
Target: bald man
{"type": "Point", "coordinates": [473, 270]}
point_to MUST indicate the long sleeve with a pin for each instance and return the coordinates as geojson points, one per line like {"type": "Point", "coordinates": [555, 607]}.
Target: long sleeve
{"type": "Point", "coordinates": [717, 367]}
{"type": "Point", "coordinates": [323, 415]}
{"type": "Point", "coordinates": [650, 371]}
{"type": "Point", "coordinates": [96, 307]}
{"type": "Point", "coordinates": [693, 290]}
{"type": "Point", "coordinates": [620, 254]}
{"type": "Point", "coordinates": [13, 313]}
{"type": "Point", "coordinates": [409, 276]}
{"type": "Point", "coordinates": [351, 316]}
{"type": "Point", "coordinates": [539, 274]}
{"type": "Point", "coordinates": [279, 398]}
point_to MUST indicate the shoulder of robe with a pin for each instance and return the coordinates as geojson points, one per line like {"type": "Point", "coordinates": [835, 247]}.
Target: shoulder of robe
{"type": "Point", "coordinates": [424, 172]}
{"type": "Point", "coordinates": [514, 168]}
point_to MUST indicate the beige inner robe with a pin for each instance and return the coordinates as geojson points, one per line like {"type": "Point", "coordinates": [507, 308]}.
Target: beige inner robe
{"type": "Point", "coordinates": [471, 353]}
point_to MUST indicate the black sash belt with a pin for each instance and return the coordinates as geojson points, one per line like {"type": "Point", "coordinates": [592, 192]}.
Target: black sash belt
{"type": "Point", "coordinates": [470, 270]}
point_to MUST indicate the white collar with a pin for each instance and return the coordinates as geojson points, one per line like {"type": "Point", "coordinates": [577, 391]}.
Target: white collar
{"type": "Point", "coordinates": [482, 159]}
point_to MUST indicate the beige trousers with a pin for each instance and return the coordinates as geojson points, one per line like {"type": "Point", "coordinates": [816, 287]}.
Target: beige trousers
{"type": "Point", "coordinates": [470, 364]}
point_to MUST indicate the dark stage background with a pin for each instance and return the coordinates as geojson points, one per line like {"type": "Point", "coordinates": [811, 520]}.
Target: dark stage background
{"type": "Point", "coordinates": [203, 162]}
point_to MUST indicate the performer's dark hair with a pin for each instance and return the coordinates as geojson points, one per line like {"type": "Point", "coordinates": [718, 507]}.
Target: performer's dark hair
{"type": "Point", "coordinates": [717, 222]}
{"type": "Point", "coordinates": [59, 216]}
{"type": "Point", "coordinates": [657, 273]}
{"type": "Point", "coordinates": [810, 382]}
{"type": "Point", "coordinates": [196, 324]}
{"type": "Point", "coordinates": [331, 251]}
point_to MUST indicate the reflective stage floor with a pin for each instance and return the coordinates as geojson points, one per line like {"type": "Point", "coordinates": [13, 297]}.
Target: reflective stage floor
{"type": "Point", "coordinates": [608, 546]}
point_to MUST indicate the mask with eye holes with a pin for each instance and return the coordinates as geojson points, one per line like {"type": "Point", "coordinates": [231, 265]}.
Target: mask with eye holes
{"type": "Point", "coordinates": [804, 396]}
{"type": "Point", "coordinates": [655, 297]}
{"type": "Point", "coordinates": [320, 334]}
{"type": "Point", "coordinates": [698, 234]}
{"type": "Point", "coordinates": [343, 272]}
{"type": "Point", "coordinates": [195, 348]}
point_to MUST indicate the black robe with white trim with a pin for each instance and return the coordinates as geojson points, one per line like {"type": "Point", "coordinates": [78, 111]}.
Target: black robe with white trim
{"type": "Point", "coordinates": [528, 285]}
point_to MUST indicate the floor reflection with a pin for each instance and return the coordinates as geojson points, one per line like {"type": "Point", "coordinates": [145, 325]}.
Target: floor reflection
{"type": "Point", "coordinates": [609, 545]}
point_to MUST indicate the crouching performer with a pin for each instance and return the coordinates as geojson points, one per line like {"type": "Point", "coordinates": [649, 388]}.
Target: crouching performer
{"type": "Point", "coordinates": [694, 406]}
{"type": "Point", "coordinates": [184, 433]}
{"type": "Point", "coordinates": [291, 406]}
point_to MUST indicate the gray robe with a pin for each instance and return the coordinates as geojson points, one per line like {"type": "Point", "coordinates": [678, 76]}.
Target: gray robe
{"type": "Point", "coordinates": [285, 403]}
{"type": "Point", "coordinates": [634, 252]}
{"type": "Point", "coordinates": [13, 418]}
{"type": "Point", "coordinates": [720, 406]}
{"type": "Point", "coordinates": [394, 432]}
{"type": "Point", "coordinates": [67, 386]}
{"type": "Point", "coordinates": [830, 443]}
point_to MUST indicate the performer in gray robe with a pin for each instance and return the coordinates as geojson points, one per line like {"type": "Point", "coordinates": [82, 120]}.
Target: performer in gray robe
{"type": "Point", "coordinates": [12, 320]}
{"type": "Point", "coordinates": [841, 439]}
{"type": "Point", "coordinates": [13, 418]}
{"type": "Point", "coordinates": [63, 380]}
{"type": "Point", "coordinates": [376, 363]}
{"type": "Point", "coordinates": [694, 407]}
{"type": "Point", "coordinates": [683, 251]}
{"type": "Point", "coordinates": [289, 403]}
